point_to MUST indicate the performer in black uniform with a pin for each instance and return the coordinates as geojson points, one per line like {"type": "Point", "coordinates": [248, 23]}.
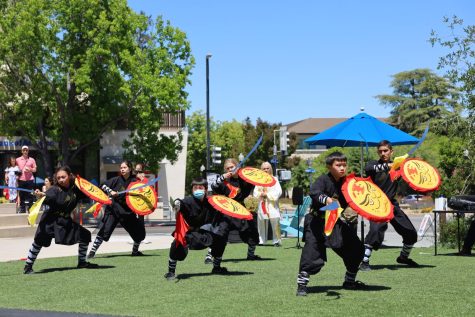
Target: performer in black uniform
{"type": "Point", "coordinates": [56, 222]}
{"type": "Point", "coordinates": [343, 240]}
{"type": "Point", "coordinates": [232, 186]}
{"type": "Point", "coordinates": [119, 212]}
{"type": "Point", "coordinates": [379, 173]}
{"type": "Point", "coordinates": [207, 227]}
{"type": "Point", "coordinates": [469, 241]}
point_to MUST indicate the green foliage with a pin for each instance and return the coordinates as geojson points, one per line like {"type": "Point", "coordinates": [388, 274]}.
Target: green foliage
{"type": "Point", "coordinates": [448, 231]}
{"type": "Point", "coordinates": [72, 70]}
{"type": "Point", "coordinates": [196, 154]}
{"type": "Point", "coordinates": [233, 137]}
{"type": "Point", "coordinates": [459, 64]}
{"type": "Point", "coordinates": [301, 178]}
{"type": "Point", "coordinates": [420, 96]}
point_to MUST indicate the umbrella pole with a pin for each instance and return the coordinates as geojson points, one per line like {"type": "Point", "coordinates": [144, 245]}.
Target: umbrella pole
{"type": "Point", "coordinates": [361, 174]}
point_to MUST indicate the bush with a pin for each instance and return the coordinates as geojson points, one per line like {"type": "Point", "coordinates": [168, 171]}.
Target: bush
{"type": "Point", "coordinates": [448, 231]}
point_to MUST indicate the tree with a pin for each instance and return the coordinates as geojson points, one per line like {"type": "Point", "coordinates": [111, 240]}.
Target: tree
{"type": "Point", "coordinates": [459, 150]}
{"type": "Point", "coordinates": [72, 70]}
{"type": "Point", "coordinates": [420, 96]}
{"type": "Point", "coordinates": [196, 154]}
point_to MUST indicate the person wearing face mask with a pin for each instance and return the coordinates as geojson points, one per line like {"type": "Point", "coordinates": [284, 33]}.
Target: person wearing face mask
{"type": "Point", "coordinates": [203, 226]}
{"type": "Point", "coordinates": [231, 185]}
{"type": "Point", "coordinates": [119, 212]}
{"type": "Point", "coordinates": [62, 198]}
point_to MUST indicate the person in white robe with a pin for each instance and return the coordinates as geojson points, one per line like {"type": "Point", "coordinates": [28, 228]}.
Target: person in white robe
{"type": "Point", "coordinates": [268, 208]}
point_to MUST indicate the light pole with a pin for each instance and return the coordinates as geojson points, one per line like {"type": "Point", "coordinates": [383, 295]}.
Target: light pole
{"type": "Point", "coordinates": [208, 56]}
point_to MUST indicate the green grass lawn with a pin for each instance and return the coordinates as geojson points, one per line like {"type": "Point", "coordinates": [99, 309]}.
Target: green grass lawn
{"type": "Point", "coordinates": [134, 286]}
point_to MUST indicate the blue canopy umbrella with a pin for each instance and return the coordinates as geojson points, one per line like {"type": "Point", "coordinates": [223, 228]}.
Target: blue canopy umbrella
{"type": "Point", "coordinates": [361, 130]}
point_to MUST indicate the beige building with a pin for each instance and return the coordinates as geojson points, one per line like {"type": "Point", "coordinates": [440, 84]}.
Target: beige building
{"type": "Point", "coordinates": [172, 176]}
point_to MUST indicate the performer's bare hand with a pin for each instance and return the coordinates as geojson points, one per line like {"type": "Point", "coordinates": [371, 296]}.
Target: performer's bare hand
{"type": "Point", "coordinates": [329, 200]}
{"type": "Point", "coordinates": [114, 193]}
{"type": "Point", "coordinates": [39, 193]}
{"type": "Point", "coordinates": [228, 175]}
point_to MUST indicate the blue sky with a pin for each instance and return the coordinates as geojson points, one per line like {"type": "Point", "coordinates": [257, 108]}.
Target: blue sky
{"type": "Point", "coordinates": [285, 61]}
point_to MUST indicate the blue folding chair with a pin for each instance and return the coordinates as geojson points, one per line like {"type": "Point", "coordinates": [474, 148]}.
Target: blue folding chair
{"type": "Point", "coordinates": [290, 225]}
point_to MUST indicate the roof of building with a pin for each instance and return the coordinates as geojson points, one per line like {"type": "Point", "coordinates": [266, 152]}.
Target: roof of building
{"type": "Point", "coordinates": [316, 125]}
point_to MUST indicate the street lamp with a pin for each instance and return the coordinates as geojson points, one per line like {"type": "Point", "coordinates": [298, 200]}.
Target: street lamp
{"type": "Point", "coordinates": [208, 56]}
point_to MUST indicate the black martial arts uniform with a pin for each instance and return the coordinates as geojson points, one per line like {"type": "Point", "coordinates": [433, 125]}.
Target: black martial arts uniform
{"type": "Point", "coordinates": [379, 173]}
{"type": "Point", "coordinates": [207, 228]}
{"type": "Point", "coordinates": [56, 222]}
{"type": "Point", "coordinates": [343, 240]}
{"type": "Point", "coordinates": [238, 189]}
{"type": "Point", "coordinates": [119, 212]}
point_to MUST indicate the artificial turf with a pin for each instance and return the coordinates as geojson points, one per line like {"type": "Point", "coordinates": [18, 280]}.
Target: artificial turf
{"type": "Point", "coordinates": [135, 286]}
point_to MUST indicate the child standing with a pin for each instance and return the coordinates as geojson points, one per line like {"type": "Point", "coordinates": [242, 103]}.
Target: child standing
{"type": "Point", "coordinates": [343, 239]}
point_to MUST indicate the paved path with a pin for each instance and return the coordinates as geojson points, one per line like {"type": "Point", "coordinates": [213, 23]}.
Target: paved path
{"type": "Point", "coordinates": [158, 237]}
{"type": "Point", "coordinates": [17, 248]}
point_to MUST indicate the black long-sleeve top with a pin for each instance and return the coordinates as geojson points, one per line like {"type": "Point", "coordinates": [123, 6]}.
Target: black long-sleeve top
{"type": "Point", "coordinates": [118, 183]}
{"type": "Point", "coordinates": [378, 171]}
{"type": "Point", "coordinates": [62, 201]}
{"type": "Point", "coordinates": [324, 187]}
{"type": "Point", "coordinates": [235, 188]}
{"type": "Point", "coordinates": [196, 212]}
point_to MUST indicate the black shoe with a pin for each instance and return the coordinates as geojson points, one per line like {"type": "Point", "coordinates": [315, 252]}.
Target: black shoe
{"type": "Point", "coordinates": [364, 266]}
{"type": "Point", "coordinates": [354, 286]}
{"type": "Point", "coordinates": [208, 260]}
{"type": "Point", "coordinates": [465, 252]}
{"type": "Point", "coordinates": [302, 290]}
{"type": "Point", "coordinates": [28, 269]}
{"type": "Point", "coordinates": [87, 265]}
{"type": "Point", "coordinates": [137, 253]}
{"type": "Point", "coordinates": [277, 244]}
{"type": "Point", "coordinates": [219, 270]}
{"type": "Point", "coordinates": [407, 261]}
{"type": "Point", "coordinates": [254, 257]}
{"type": "Point", "coordinates": [170, 276]}
{"type": "Point", "coordinates": [91, 255]}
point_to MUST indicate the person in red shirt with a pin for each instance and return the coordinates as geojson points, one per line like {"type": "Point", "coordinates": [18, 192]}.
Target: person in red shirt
{"type": "Point", "coordinates": [27, 166]}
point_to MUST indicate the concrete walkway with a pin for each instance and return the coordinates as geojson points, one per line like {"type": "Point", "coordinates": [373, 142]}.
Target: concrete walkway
{"type": "Point", "coordinates": [17, 248]}
{"type": "Point", "coordinates": [159, 237]}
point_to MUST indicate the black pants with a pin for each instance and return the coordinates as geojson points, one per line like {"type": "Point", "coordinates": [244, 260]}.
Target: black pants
{"type": "Point", "coordinates": [470, 237]}
{"type": "Point", "coordinates": [401, 223]}
{"type": "Point", "coordinates": [343, 240]}
{"type": "Point", "coordinates": [250, 235]}
{"type": "Point", "coordinates": [26, 198]}
{"type": "Point", "coordinates": [133, 225]}
{"type": "Point", "coordinates": [198, 240]}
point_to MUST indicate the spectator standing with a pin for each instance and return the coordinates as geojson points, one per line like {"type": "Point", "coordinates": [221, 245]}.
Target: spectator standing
{"type": "Point", "coordinates": [268, 208]}
{"type": "Point", "coordinates": [11, 178]}
{"type": "Point", "coordinates": [27, 166]}
{"type": "Point", "coordinates": [48, 184]}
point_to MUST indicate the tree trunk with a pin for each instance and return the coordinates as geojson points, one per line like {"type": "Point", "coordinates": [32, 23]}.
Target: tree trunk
{"type": "Point", "coordinates": [43, 148]}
